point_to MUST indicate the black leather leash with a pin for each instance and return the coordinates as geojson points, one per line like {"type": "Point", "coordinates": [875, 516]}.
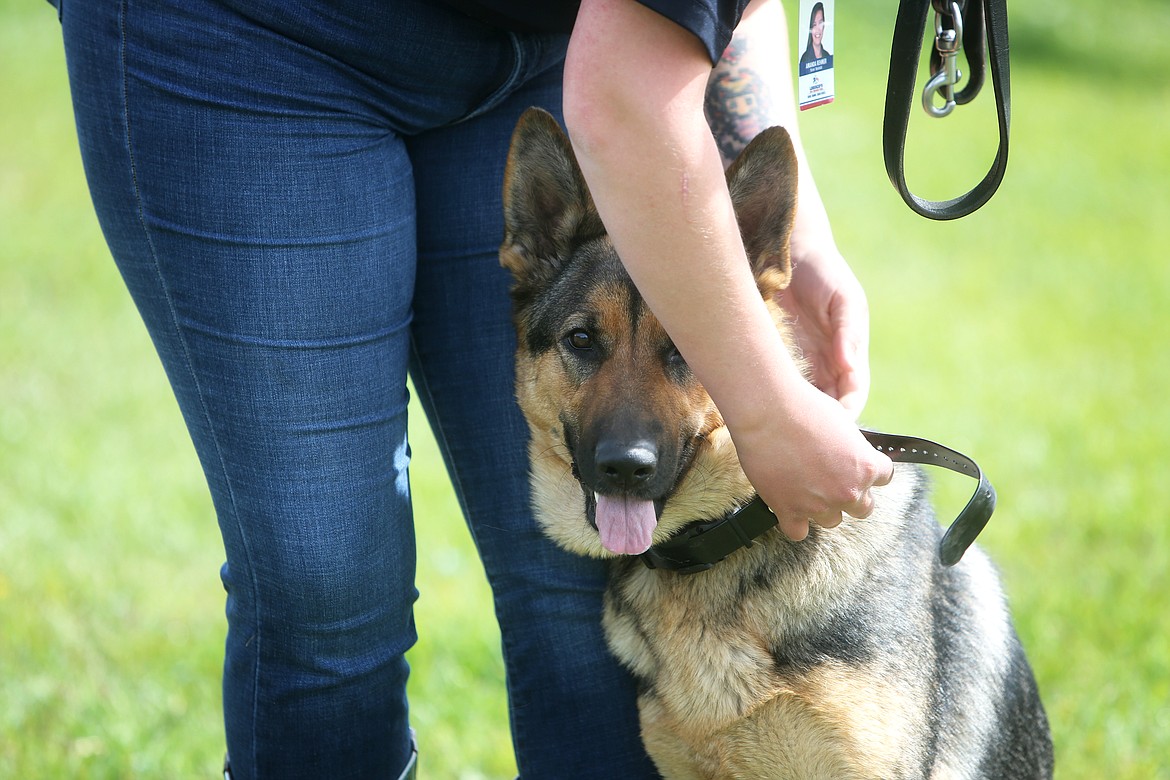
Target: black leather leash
{"type": "Point", "coordinates": [701, 545]}
{"type": "Point", "coordinates": [973, 22]}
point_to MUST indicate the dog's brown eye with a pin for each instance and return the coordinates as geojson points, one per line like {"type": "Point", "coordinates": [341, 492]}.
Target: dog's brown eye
{"type": "Point", "coordinates": [580, 339]}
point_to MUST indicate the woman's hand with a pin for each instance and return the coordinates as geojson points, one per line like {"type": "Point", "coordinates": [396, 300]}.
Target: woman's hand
{"type": "Point", "coordinates": [830, 317]}
{"type": "Point", "coordinates": [808, 460]}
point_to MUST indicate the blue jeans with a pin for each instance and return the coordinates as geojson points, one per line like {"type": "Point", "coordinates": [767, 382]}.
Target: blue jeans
{"type": "Point", "coordinates": [304, 200]}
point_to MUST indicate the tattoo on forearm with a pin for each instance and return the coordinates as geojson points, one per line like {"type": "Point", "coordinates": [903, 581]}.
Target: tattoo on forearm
{"type": "Point", "coordinates": [737, 104]}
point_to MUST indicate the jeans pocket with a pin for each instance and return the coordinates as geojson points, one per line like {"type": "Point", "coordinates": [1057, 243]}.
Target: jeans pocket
{"type": "Point", "coordinates": [533, 54]}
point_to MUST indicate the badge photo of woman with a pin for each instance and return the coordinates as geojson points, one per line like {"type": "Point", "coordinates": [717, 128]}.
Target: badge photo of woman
{"type": "Point", "coordinates": [816, 56]}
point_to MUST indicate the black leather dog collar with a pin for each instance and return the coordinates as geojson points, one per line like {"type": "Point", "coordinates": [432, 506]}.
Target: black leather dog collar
{"type": "Point", "coordinates": [702, 544]}
{"type": "Point", "coordinates": [974, 516]}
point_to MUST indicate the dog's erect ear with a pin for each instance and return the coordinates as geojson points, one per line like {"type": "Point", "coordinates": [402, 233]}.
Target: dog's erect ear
{"type": "Point", "coordinates": [762, 181]}
{"type": "Point", "coordinates": [547, 207]}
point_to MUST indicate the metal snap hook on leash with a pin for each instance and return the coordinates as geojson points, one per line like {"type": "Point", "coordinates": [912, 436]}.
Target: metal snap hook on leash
{"type": "Point", "coordinates": [948, 43]}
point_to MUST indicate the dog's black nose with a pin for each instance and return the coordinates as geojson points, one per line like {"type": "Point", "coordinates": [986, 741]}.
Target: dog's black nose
{"type": "Point", "coordinates": [624, 466]}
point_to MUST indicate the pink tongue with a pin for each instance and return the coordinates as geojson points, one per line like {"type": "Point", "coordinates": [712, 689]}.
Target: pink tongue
{"type": "Point", "coordinates": [626, 525]}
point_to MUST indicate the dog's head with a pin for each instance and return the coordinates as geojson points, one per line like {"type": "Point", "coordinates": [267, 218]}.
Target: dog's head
{"type": "Point", "coordinates": [626, 445]}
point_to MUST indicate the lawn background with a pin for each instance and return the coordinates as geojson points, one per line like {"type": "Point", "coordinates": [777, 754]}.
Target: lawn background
{"type": "Point", "coordinates": [1032, 335]}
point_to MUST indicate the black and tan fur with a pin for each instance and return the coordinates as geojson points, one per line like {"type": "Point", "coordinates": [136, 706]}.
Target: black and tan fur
{"type": "Point", "coordinates": [852, 654]}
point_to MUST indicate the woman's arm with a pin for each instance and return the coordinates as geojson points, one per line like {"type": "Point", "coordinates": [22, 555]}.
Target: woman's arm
{"type": "Point", "coordinates": [635, 86]}
{"type": "Point", "coordinates": [751, 89]}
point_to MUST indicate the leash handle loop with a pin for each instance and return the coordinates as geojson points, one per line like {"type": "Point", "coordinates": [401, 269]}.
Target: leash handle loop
{"type": "Point", "coordinates": [986, 20]}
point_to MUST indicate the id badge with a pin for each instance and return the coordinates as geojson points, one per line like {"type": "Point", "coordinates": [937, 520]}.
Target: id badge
{"type": "Point", "coordinates": [814, 69]}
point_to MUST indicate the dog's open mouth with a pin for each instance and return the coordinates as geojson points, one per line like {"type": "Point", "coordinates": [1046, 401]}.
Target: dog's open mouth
{"type": "Point", "coordinates": [625, 523]}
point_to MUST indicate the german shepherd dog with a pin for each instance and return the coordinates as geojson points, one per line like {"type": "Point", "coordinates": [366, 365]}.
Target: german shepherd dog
{"type": "Point", "coordinates": [851, 654]}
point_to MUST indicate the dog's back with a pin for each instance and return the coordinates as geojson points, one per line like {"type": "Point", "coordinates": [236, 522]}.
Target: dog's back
{"type": "Point", "coordinates": [991, 722]}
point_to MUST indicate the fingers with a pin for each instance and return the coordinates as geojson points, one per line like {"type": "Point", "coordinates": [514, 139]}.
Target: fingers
{"type": "Point", "coordinates": [827, 519]}
{"type": "Point", "coordinates": [852, 391]}
{"type": "Point", "coordinates": [886, 471]}
{"type": "Point", "coordinates": [861, 508]}
{"type": "Point", "coordinates": [796, 528]}
{"type": "Point", "coordinates": [851, 352]}
{"type": "Point", "coordinates": [882, 474]}
{"type": "Point", "coordinates": [853, 400]}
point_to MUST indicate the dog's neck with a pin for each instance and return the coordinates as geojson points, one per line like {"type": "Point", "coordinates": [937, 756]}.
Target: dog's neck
{"type": "Point", "coordinates": [700, 545]}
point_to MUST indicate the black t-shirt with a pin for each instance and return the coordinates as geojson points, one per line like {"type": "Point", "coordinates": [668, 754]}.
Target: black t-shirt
{"type": "Point", "coordinates": [711, 21]}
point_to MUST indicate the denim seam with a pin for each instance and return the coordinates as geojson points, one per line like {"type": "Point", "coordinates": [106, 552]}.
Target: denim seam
{"type": "Point", "coordinates": [509, 84]}
{"type": "Point", "coordinates": [439, 433]}
{"type": "Point", "coordinates": [420, 380]}
{"type": "Point", "coordinates": [186, 353]}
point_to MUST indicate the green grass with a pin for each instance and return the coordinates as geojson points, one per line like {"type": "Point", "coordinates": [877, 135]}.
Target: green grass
{"type": "Point", "coordinates": [1031, 335]}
